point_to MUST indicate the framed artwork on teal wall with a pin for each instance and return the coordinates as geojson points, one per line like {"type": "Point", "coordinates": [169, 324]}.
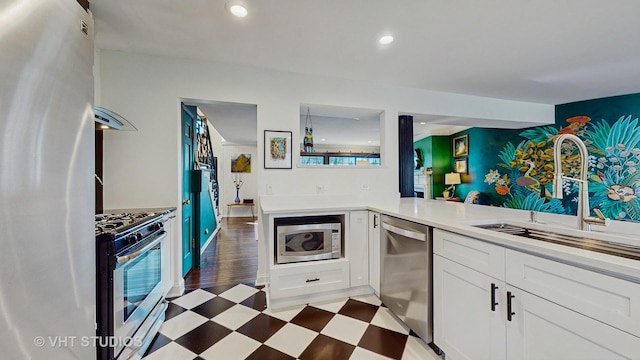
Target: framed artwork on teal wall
{"type": "Point", "coordinates": [461, 145]}
{"type": "Point", "coordinates": [461, 165]}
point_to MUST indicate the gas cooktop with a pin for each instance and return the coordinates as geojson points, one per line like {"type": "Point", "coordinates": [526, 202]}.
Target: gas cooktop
{"type": "Point", "coordinates": [118, 223]}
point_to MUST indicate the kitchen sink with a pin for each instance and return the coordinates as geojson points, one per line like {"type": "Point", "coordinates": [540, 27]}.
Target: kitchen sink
{"type": "Point", "coordinates": [601, 246]}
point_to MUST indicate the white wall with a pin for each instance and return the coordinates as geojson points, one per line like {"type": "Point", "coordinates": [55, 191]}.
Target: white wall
{"type": "Point", "coordinates": [143, 168]}
{"type": "Point", "coordinates": [249, 189]}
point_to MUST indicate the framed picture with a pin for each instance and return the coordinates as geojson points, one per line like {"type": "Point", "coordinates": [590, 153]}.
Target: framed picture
{"type": "Point", "coordinates": [461, 145]}
{"type": "Point", "coordinates": [241, 163]}
{"type": "Point", "coordinates": [461, 165]}
{"type": "Point", "coordinates": [277, 149]}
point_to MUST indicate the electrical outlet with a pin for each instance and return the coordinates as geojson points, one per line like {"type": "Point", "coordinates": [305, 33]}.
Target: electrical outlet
{"type": "Point", "coordinates": [320, 188]}
{"type": "Point", "coordinates": [269, 189]}
{"type": "Point", "coordinates": [364, 187]}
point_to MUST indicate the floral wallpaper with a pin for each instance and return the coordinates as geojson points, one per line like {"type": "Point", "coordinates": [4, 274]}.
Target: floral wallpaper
{"type": "Point", "coordinates": [523, 175]}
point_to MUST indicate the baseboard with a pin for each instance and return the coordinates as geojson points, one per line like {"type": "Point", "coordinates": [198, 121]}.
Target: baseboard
{"type": "Point", "coordinates": [261, 279]}
{"type": "Point", "coordinates": [177, 289]}
{"type": "Point", "coordinates": [285, 303]}
{"type": "Point", "coordinates": [209, 240]}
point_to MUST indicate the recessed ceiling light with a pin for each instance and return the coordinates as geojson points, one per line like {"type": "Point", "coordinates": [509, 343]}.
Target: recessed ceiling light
{"type": "Point", "coordinates": [236, 9]}
{"type": "Point", "coordinates": [422, 123]}
{"type": "Point", "coordinates": [323, 139]}
{"type": "Point", "coordinates": [369, 141]}
{"type": "Point", "coordinates": [104, 126]}
{"type": "Point", "coordinates": [384, 40]}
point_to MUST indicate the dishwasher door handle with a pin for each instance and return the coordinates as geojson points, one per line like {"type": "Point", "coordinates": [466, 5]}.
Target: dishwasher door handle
{"type": "Point", "coordinates": [404, 232]}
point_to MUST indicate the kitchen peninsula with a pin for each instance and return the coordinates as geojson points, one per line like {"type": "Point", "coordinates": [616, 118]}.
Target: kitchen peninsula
{"type": "Point", "coordinates": [506, 292]}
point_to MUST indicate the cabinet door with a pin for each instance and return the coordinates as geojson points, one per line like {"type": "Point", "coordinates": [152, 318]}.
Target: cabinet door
{"type": "Point", "coordinates": [359, 248]}
{"type": "Point", "coordinates": [374, 251]}
{"type": "Point", "coordinates": [466, 325]}
{"type": "Point", "coordinates": [540, 329]}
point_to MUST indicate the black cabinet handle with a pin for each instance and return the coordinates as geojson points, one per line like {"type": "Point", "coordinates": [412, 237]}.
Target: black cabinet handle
{"type": "Point", "coordinates": [312, 280]}
{"type": "Point", "coordinates": [510, 313]}
{"type": "Point", "coordinates": [375, 221]}
{"type": "Point", "coordinates": [493, 297]}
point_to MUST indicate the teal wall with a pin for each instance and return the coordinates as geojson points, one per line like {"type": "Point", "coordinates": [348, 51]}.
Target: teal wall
{"type": "Point", "coordinates": [437, 156]}
{"type": "Point", "coordinates": [206, 219]}
{"type": "Point", "coordinates": [513, 168]}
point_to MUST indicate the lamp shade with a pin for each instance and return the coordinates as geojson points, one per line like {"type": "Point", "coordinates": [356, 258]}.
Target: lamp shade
{"type": "Point", "coordinates": [452, 179]}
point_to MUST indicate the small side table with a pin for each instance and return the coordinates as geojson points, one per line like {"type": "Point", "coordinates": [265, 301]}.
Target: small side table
{"type": "Point", "coordinates": [232, 205]}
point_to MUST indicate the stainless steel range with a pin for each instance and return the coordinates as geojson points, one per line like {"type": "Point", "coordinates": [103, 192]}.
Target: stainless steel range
{"type": "Point", "coordinates": [130, 287]}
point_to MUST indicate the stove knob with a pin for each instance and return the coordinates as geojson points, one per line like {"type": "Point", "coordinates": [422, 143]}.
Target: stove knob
{"type": "Point", "coordinates": [156, 226]}
{"type": "Point", "coordinates": [131, 239]}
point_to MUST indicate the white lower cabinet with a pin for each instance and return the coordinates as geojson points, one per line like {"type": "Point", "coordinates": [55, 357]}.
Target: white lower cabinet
{"type": "Point", "coordinates": [478, 317]}
{"type": "Point", "coordinates": [540, 329]}
{"type": "Point", "coordinates": [466, 324]}
{"type": "Point", "coordinates": [309, 278]}
{"type": "Point", "coordinates": [358, 248]}
{"type": "Point", "coordinates": [374, 251]}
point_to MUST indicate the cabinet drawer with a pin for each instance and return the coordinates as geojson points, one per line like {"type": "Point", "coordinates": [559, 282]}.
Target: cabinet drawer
{"type": "Point", "coordinates": [307, 279]}
{"type": "Point", "coordinates": [605, 298]}
{"type": "Point", "coordinates": [475, 254]}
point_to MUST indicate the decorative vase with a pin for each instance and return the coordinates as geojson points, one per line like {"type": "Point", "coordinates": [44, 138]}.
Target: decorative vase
{"type": "Point", "coordinates": [237, 200]}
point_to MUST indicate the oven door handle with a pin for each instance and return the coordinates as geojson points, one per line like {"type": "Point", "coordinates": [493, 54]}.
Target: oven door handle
{"type": "Point", "coordinates": [135, 254]}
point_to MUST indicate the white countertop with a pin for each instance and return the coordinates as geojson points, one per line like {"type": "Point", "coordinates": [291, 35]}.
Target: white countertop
{"type": "Point", "coordinates": [459, 218]}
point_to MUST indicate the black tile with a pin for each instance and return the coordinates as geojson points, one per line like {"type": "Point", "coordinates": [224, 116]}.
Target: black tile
{"type": "Point", "coordinates": [257, 301]}
{"type": "Point", "coordinates": [203, 337]}
{"type": "Point", "coordinates": [359, 310]}
{"type": "Point", "coordinates": [313, 318]}
{"type": "Point", "coordinates": [261, 327]}
{"type": "Point", "coordinates": [324, 347]}
{"type": "Point", "coordinates": [213, 307]}
{"type": "Point", "coordinates": [267, 353]}
{"type": "Point", "coordinates": [383, 341]}
{"type": "Point", "coordinates": [158, 341]}
{"type": "Point", "coordinates": [198, 358]}
{"type": "Point", "coordinates": [219, 289]}
{"type": "Point", "coordinates": [173, 310]}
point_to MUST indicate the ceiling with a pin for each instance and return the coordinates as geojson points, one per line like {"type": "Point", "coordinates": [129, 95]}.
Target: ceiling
{"type": "Point", "coordinates": [545, 51]}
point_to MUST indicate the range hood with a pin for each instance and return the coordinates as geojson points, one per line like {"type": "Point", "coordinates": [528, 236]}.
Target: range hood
{"type": "Point", "coordinates": [110, 120]}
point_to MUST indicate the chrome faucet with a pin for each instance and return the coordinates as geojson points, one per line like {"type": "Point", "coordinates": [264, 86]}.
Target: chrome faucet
{"type": "Point", "coordinates": [585, 220]}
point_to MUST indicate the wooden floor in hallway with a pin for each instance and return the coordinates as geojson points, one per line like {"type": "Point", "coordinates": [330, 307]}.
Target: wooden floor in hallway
{"type": "Point", "coordinates": [231, 258]}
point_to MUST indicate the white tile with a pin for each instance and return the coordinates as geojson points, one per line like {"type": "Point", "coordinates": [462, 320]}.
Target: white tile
{"type": "Point", "coordinates": [239, 345]}
{"type": "Point", "coordinates": [285, 314]}
{"type": "Point", "coordinates": [235, 316]}
{"type": "Point", "coordinates": [239, 293]}
{"type": "Point", "coordinates": [171, 351]}
{"type": "Point", "coordinates": [193, 299]}
{"type": "Point", "coordinates": [364, 354]}
{"type": "Point", "coordinates": [384, 319]}
{"type": "Point", "coordinates": [291, 339]}
{"type": "Point", "coordinates": [333, 306]}
{"type": "Point", "coordinates": [345, 328]}
{"type": "Point", "coordinates": [369, 299]}
{"type": "Point", "coordinates": [181, 324]}
{"type": "Point", "coordinates": [416, 349]}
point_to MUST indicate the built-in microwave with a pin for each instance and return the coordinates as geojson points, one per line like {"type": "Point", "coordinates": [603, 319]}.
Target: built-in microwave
{"type": "Point", "coordinates": [308, 242]}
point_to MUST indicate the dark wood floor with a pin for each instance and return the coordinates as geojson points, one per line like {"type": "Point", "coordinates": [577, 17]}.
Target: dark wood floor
{"type": "Point", "coordinates": [231, 258]}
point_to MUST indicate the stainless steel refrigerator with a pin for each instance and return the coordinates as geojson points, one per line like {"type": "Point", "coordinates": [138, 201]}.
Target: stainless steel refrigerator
{"type": "Point", "coordinates": [47, 253]}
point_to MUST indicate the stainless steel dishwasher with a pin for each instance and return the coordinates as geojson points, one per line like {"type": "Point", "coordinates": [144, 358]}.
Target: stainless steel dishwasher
{"type": "Point", "coordinates": [406, 273]}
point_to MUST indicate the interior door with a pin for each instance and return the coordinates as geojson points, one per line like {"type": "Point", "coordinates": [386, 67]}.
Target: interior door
{"type": "Point", "coordinates": [188, 239]}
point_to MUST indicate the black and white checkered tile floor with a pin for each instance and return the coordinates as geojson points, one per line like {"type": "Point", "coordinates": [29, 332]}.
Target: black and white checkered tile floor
{"type": "Point", "coordinates": [233, 322]}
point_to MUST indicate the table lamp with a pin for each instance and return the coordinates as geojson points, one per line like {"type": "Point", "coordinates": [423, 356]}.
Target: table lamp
{"type": "Point", "coordinates": [451, 179]}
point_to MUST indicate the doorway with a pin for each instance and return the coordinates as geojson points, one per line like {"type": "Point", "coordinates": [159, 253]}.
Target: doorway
{"type": "Point", "coordinates": [232, 130]}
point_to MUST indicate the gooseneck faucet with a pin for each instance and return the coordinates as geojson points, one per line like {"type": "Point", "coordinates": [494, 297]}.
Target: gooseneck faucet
{"type": "Point", "coordinates": [584, 216]}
